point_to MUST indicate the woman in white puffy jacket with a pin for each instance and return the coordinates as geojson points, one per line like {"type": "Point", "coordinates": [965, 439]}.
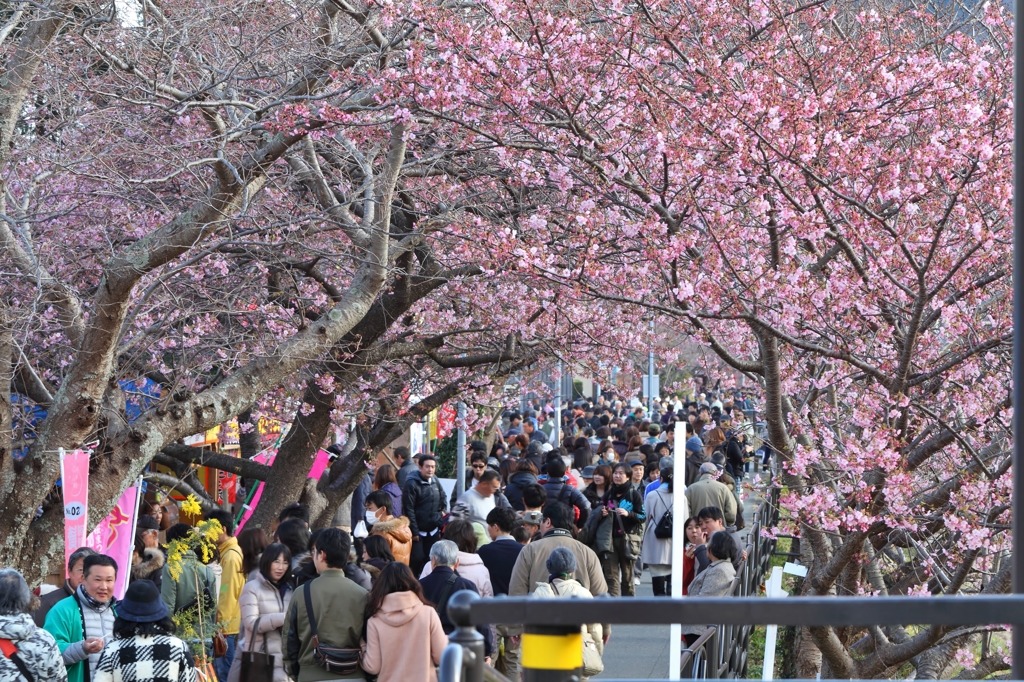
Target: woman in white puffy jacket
{"type": "Point", "coordinates": [561, 584]}
{"type": "Point", "coordinates": [263, 604]}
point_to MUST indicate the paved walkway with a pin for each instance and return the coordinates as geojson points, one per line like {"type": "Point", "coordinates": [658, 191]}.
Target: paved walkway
{"type": "Point", "coordinates": [639, 652]}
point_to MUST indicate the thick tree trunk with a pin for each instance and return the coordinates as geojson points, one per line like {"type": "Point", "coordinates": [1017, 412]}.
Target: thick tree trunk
{"type": "Point", "coordinates": [7, 469]}
{"type": "Point", "coordinates": [295, 456]}
{"type": "Point", "coordinates": [248, 436]}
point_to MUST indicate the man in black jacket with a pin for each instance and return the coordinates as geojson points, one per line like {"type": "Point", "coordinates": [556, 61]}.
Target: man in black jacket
{"type": "Point", "coordinates": [424, 504]}
{"type": "Point", "coordinates": [443, 582]}
{"type": "Point", "coordinates": [499, 556]}
{"type": "Point", "coordinates": [560, 491]}
{"type": "Point", "coordinates": [405, 464]}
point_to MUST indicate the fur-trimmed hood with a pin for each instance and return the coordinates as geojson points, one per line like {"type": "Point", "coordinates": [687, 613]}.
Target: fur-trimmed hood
{"type": "Point", "coordinates": [397, 526]}
{"type": "Point", "coordinates": [152, 560]}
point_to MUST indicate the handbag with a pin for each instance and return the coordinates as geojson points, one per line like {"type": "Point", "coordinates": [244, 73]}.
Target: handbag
{"type": "Point", "coordinates": [630, 543]}
{"type": "Point", "coordinates": [257, 666]}
{"type": "Point", "coordinates": [333, 659]}
{"type": "Point", "coordinates": [663, 531]}
{"type": "Point", "coordinates": [592, 663]}
{"type": "Point", "coordinates": [220, 645]}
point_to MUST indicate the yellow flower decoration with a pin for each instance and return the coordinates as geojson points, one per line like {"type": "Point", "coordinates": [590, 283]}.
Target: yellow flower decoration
{"type": "Point", "coordinates": [191, 506]}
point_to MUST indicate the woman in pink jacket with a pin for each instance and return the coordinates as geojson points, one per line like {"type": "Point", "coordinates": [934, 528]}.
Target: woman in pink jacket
{"type": "Point", "coordinates": [400, 619]}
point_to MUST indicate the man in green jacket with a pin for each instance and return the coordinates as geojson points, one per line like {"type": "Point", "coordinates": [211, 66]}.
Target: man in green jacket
{"type": "Point", "coordinates": [338, 606]}
{"type": "Point", "coordinates": [191, 593]}
{"type": "Point", "coordinates": [84, 622]}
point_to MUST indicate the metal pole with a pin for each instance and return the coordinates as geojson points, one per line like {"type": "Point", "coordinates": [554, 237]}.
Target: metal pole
{"type": "Point", "coordinates": [680, 510]}
{"type": "Point", "coordinates": [460, 455]}
{"type": "Point", "coordinates": [1018, 343]}
{"type": "Point", "coordinates": [465, 635]}
{"type": "Point", "coordinates": [650, 374]}
{"type": "Point", "coordinates": [556, 434]}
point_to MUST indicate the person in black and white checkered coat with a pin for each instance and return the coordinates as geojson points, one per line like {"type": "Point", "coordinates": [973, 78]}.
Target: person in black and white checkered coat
{"type": "Point", "coordinates": [143, 650]}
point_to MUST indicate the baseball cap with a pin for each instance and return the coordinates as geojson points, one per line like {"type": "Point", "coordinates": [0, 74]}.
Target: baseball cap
{"type": "Point", "coordinates": [533, 518]}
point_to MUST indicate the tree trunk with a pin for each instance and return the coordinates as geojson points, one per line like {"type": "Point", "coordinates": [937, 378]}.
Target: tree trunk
{"type": "Point", "coordinates": [7, 468]}
{"type": "Point", "coordinates": [248, 440]}
{"type": "Point", "coordinates": [295, 456]}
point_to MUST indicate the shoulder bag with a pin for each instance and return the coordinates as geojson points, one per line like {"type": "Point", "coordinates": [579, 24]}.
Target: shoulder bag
{"type": "Point", "coordinates": [10, 652]}
{"type": "Point", "coordinates": [331, 658]}
{"type": "Point", "coordinates": [630, 543]}
{"type": "Point", "coordinates": [257, 666]}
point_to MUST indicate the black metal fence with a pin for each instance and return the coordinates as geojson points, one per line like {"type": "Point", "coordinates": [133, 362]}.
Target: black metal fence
{"type": "Point", "coordinates": [721, 651]}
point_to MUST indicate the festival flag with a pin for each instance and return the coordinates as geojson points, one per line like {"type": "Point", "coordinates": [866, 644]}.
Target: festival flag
{"type": "Point", "coordinates": [267, 457]}
{"type": "Point", "coordinates": [74, 476]}
{"type": "Point", "coordinates": [115, 536]}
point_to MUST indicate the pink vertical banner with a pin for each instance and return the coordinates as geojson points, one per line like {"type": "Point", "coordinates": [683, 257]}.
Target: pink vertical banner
{"type": "Point", "coordinates": [115, 536]}
{"type": "Point", "coordinates": [74, 476]}
{"type": "Point", "coordinates": [320, 463]}
{"type": "Point", "coordinates": [265, 457]}
{"type": "Point", "coordinates": [323, 458]}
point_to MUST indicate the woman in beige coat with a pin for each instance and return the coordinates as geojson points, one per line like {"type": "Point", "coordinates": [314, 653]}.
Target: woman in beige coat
{"type": "Point", "coordinates": [399, 619]}
{"type": "Point", "coordinates": [263, 604]}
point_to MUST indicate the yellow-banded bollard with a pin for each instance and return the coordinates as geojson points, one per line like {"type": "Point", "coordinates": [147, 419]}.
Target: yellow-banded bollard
{"type": "Point", "coordinates": [552, 653]}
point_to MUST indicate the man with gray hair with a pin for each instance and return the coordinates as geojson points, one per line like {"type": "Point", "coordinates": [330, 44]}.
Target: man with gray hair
{"type": "Point", "coordinates": [29, 652]}
{"type": "Point", "coordinates": [71, 584]}
{"type": "Point", "coordinates": [443, 581]}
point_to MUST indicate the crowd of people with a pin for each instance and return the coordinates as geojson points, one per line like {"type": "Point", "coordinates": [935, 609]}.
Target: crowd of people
{"type": "Point", "coordinates": [579, 518]}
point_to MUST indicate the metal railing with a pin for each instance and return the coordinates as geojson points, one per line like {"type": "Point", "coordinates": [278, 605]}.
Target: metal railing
{"type": "Point", "coordinates": [721, 651]}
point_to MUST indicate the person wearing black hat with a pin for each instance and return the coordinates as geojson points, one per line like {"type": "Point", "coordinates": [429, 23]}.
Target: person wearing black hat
{"type": "Point", "coordinates": [143, 647]}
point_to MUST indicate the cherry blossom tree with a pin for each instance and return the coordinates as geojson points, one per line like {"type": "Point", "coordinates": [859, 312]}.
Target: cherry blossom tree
{"type": "Point", "coordinates": [820, 194]}
{"type": "Point", "coordinates": [234, 203]}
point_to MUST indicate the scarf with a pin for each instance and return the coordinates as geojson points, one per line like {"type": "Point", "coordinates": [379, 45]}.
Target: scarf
{"type": "Point", "coordinates": [99, 606]}
{"type": "Point", "coordinates": [617, 492]}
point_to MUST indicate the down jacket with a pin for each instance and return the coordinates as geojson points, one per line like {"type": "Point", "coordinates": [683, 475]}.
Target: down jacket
{"type": "Point", "coordinates": [571, 589]}
{"type": "Point", "coordinates": [424, 503]}
{"type": "Point", "coordinates": [36, 648]}
{"type": "Point", "coordinates": [396, 531]}
{"type": "Point", "coordinates": [263, 611]}
{"type": "Point", "coordinates": [514, 490]}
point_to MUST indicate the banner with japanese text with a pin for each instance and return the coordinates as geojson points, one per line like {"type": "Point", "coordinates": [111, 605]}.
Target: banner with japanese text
{"type": "Point", "coordinates": [115, 536]}
{"type": "Point", "coordinates": [74, 476]}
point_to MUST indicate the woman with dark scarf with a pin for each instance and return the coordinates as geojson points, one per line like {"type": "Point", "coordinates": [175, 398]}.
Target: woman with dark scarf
{"type": "Point", "coordinates": [615, 529]}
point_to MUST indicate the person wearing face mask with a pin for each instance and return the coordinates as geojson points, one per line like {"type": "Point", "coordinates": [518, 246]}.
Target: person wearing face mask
{"type": "Point", "coordinates": [394, 529]}
{"type": "Point", "coordinates": [263, 605]}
